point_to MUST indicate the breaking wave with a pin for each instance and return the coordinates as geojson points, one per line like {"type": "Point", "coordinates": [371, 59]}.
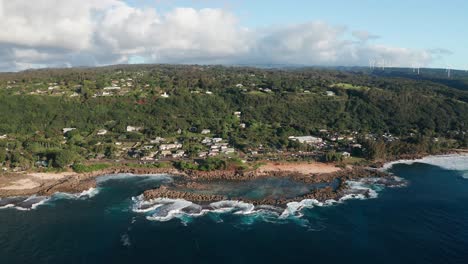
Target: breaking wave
{"type": "Point", "coordinates": [458, 162]}
{"type": "Point", "coordinates": [123, 176]}
{"type": "Point", "coordinates": [24, 203]}
{"type": "Point", "coordinates": [164, 209]}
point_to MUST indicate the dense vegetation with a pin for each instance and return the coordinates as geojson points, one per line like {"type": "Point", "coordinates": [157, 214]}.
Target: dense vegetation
{"type": "Point", "coordinates": [424, 112]}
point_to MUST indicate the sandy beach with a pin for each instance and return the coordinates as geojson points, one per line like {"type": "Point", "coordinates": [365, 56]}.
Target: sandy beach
{"type": "Point", "coordinates": [300, 167]}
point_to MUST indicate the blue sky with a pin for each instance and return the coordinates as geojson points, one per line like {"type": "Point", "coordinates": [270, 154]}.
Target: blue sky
{"type": "Point", "coordinates": [51, 33]}
{"type": "Point", "coordinates": [418, 24]}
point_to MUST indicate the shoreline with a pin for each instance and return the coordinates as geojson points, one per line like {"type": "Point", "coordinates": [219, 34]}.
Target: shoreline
{"type": "Point", "coordinates": [46, 184]}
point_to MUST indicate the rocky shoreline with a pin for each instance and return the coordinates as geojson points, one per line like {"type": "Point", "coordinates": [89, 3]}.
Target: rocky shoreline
{"type": "Point", "coordinates": [321, 194]}
{"type": "Point", "coordinates": [78, 183]}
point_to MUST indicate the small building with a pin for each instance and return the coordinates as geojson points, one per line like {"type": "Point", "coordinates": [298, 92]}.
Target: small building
{"type": "Point", "coordinates": [165, 153]}
{"type": "Point", "coordinates": [346, 155]}
{"type": "Point", "coordinates": [307, 140]}
{"type": "Point", "coordinates": [111, 88]}
{"type": "Point", "coordinates": [67, 129]}
{"type": "Point", "coordinates": [242, 125]}
{"type": "Point", "coordinates": [217, 140]}
{"type": "Point", "coordinates": [229, 151]}
{"type": "Point", "coordinates": [178, 154]}
{"type": "Point", "coordinates": [101, 132]}
{"type": "Point", "coordinates": [133, 128]}
{"type": "Point", "coordinates": [157, 140]}
{"type": "Point", "coordinates": [205, 131]}
{"type": "Point", "coordinates": [3, 136]}
{"type": "Point", "coordinates": [207, 140]}
{"type": "Point", "coordinates": [330, 93]}
{"type": "Point", "coordinates": [164, 95]}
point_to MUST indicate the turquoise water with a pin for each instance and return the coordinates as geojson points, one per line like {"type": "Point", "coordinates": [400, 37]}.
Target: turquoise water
{"type": "Point", "coordinates": [425, 222]}
{"type": "Point", "coordinates": [263, 188]}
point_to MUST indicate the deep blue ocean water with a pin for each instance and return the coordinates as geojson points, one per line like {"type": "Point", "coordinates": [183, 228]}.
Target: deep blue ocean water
{"type": "Point", "coordinates": [425, 222]}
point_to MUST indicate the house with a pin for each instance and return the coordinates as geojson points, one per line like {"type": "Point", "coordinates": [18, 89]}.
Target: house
{"type": "Point", "coordinates": [239, 85]}
{"type": "Point", "coordinates": [242, 125]}
{"type": "Point", "coordinates": [346, 155]}
{"type": "Point", "coordinates": [208, 92]}
{"type": "Point", "coordinates": [42, 164]}
{"type": "Point", "coordinates": [178, 154]}
{"type": "Point", "coordinates": [170, 146]}
{"type": "Point", "coordinates": [202, 154]}
{"type": "Point", "coordinates": [330, 93]}
{"type": "Point", "coordinates": [206, 140]}
{"type": "Point", "coordinates": [67, 129]}
{"type": "Point", "coordinates": [238, 114]}
{"type": "Point", "coordinates": [205, 131]}
{"type": "Point", "coordinates": [307, 140]}
{"type": "Point", "coordinates": [3, 136]}
{"type": "Point", "coordinates": [164, 95]}
{"type": "Point", "coordinates": [228, 150]}
{"type": "Point", "coordinates": [157, 140]}
{"type": "Point", "coordinates": [165, 153]}
{"type": "Point", "coordinates": [217, 140]}
{"type": "Point", "coordinates": [101, 132]}
{"type": "Point", "coordinates": [133, 129]}
{"type": "Point", "coordinates": [111, 88]}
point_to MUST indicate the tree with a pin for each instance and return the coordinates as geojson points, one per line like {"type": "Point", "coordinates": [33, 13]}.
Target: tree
{"type": "Point", "coordinates": [3, 155]}
{"type": "Point", "coordinates": [65, 158]}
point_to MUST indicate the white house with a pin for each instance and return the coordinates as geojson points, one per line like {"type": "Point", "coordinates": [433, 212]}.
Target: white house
{"type": "Point", "coordinates": [307, 140]}
{"type": "Point", "coordinates": [101, 132]}
{"type": "Point", "coordinates": [110, 88]}
{"type": "Point", "coordinates": [178, 154]}
{"type": "Point", "coordinates": [133, 129]}
{"type": "Point", "coordinates": [67, 129]}
{"type": "Point", "coordinates": [330, 93]}
{"type": "Point", "coordinates": [164, 95]}
{"type": "Point", "coordinates": [217, 140]}
{"type": "Point", "coordinates": [205, 131]}
{"type": "Point", "coordinates": [157, 140]}
{"type": "Point", "coordinates": [3, 136]}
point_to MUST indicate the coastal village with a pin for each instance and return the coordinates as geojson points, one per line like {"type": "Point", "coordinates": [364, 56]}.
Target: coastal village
{"type": "Point", "coordinates": [131, 141]}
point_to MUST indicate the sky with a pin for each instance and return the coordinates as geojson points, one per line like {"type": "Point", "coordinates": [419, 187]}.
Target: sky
{"type": "Point", "coordinates": [398, 33]}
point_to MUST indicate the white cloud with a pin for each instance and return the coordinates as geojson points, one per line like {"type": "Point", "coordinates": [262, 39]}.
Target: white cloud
{"type": "Point", "coordinates": [85, 32]}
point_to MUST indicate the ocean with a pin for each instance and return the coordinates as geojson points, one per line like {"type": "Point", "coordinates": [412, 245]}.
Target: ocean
{"type": "Point", "coordinates": [424, 221]}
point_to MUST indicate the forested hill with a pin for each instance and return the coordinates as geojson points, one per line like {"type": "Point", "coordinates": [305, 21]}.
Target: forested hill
{"type": "Point", "coordinates": [171, 101]}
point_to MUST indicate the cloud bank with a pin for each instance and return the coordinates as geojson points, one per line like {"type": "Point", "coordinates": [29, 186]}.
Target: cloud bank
{"type": "Point", "coordinates": [54, 33]}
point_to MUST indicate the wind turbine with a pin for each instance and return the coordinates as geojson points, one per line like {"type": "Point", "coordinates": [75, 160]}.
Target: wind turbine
{"type": "Point", "coordinates": [383, 64]}
{"type": "Point", "coordinates": [449, 71]}
{"type": "Point", "coordinates": [372, 63]}
{"type": "Point", "coordinates": [416, 68]}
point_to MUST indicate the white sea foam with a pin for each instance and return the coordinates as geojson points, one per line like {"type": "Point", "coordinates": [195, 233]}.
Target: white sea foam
{"type": "Point", "coordinates": [162, 209]}
{"type": "Point", "coordinates": [91, 192]}
{"type": "Point", "coordinates": [123, 176]}
{"type": "Point", "coordinates": [457, 162]}
{"type": "Point", "coordinates": [23, 203]}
